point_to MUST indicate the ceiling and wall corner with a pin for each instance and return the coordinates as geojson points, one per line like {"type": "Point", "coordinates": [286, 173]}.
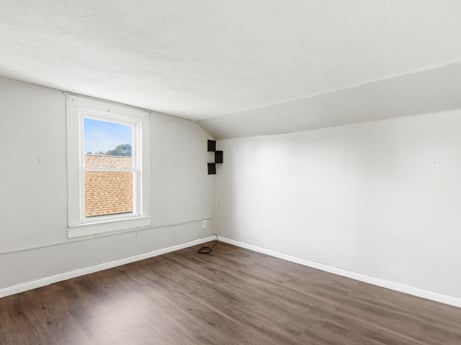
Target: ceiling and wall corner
{"type": "Point", "coordinates": [215, 60]}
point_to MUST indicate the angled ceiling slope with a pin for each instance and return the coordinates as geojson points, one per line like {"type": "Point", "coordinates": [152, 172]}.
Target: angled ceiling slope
{"type": "Point", "coordinates": [424, 92]}
{"type": "Point", "coordinates": [200, 59]}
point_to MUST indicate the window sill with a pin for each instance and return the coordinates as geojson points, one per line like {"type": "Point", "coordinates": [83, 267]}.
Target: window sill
{"type": "Point", "coordinates": [108, 226]}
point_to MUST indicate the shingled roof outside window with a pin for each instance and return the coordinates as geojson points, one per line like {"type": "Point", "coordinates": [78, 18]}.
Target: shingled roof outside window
{"type": "Point", "coordinates": [108, 192]}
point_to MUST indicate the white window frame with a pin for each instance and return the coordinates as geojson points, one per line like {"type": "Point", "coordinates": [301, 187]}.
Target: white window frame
{"type": "Point", "coordinates": [79, 108]}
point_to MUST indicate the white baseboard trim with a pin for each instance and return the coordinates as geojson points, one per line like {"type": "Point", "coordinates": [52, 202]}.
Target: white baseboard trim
{"type": "Point", "coordinates": [433, 296]}
{"type": "Point", "coordinates": [15, 289]}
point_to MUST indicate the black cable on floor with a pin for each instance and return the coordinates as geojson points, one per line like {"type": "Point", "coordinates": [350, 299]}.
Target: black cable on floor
{"type": "Point", "coordinates": [208, 249]}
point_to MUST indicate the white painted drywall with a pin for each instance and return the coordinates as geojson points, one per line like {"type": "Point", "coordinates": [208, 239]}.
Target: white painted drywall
{"type": "Point", "coordinates": [33, 195]}
{"type": "Point", "coordinates": [382, 199]}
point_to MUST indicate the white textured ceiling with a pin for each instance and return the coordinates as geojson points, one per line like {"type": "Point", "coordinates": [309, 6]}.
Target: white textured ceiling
{"type": "Point", "coordinates": [204, 58]}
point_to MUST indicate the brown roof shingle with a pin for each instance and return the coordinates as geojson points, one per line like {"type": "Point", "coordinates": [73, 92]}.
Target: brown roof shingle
{"type": "Point", "coordinates": [108, 192]}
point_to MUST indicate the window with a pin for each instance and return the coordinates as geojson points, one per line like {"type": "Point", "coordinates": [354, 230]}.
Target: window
{"type": "Point", "coordinates": [108, 167]}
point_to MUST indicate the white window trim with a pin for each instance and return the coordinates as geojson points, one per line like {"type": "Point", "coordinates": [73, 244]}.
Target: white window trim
{"type": "Point", "coordinates": [77, 224]}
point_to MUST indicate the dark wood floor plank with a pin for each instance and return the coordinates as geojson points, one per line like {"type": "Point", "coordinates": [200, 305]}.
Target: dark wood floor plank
{"type": "Point", "coordinates": [233, 296]}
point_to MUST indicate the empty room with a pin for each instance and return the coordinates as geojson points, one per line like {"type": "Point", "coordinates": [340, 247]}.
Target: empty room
{"type": "Point", "coordinates": [274, 172]}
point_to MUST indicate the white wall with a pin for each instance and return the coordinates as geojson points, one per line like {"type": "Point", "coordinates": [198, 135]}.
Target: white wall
{"type": "Point", "coordinates": [381, 199]}
{"type": "Point", "coordinates": [33, 180]}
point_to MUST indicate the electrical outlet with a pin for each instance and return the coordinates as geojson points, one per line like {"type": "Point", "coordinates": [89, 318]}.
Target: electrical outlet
{"type": "Point", "coordinates": [204, 224]}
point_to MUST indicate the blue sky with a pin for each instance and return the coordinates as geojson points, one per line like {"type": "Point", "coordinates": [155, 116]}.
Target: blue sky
{"type": "Point", "coordinates": [103, 136]}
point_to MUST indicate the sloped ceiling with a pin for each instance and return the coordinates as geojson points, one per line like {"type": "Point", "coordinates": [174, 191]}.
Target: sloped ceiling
{"type": "Point", "coordinates": [207, 59]}
{"type": "Point", "coordinates": [424, 92]}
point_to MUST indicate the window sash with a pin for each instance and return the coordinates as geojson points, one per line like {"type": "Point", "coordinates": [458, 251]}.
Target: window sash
{"type": "Point", "coordinates": [136, 176]}
{"type": "Point", "coordinates": [110, 169]}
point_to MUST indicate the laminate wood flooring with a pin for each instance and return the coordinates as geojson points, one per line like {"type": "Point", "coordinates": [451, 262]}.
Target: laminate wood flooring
{"type": "Point", "coordinates": [231, 297]}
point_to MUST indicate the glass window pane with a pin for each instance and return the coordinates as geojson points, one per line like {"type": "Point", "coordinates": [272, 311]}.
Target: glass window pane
{"type": "Point", "coordinates": [105, 161]}
{"type": "Point", "coordinates": [107, 144]}
{"type": "Point", "coordinates": [108, 193]}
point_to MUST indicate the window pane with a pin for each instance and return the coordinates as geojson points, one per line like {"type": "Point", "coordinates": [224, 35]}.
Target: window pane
{"type": "Point", "coordinates": [107, 144]}
{"type": "Point", "coordinates": [105, 161]}
{"type": "Point", "coordinates": [108, 193]}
